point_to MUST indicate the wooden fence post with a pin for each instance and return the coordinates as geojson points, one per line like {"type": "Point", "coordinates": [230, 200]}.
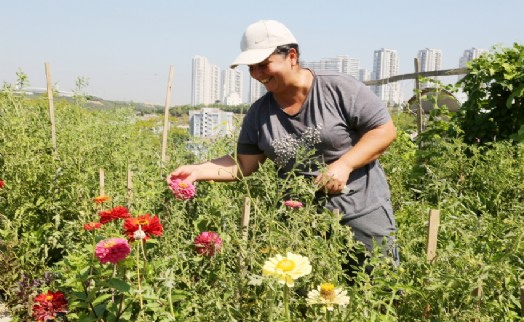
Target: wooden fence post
{"type": "Point", "coordinates": [166, 116]}
{"type": "Point", "coordinates": [51, 108]}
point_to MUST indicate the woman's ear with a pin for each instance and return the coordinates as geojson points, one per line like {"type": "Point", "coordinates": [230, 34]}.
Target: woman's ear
{"type": "Point", "coordinates": [292, 54]}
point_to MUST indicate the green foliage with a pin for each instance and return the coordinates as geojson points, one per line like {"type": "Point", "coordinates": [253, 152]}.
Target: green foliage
{"type": "Point", "coordinates": [495, 87]}
{"type": "Point", "coordinates": [46, 200]}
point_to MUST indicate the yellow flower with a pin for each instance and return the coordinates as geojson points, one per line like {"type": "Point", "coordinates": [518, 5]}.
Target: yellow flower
{"type": "Point", "coordinates": [287, 269]}
{"type": "Point", "coordinates": [328, 295]}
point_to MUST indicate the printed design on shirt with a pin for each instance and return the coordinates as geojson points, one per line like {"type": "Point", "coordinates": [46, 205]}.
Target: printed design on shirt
{"type": "Point", "coordinates": [287, 146]}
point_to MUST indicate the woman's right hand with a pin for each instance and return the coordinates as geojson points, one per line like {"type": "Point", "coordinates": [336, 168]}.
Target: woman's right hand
{"type": "Point", "coordinates": [185, 172]}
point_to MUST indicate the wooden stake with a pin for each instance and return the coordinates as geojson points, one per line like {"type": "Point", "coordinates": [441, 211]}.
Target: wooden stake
{"type": "Point", "coordinates": [431, 251]}
{"type": "Point", "coordinates": [434, 221]}
{"type": "Point", "coordinates": [477, 292]}
{"type": "Point", "coordinates": [129, 187]}
{"type": "Point", "coordinates": [166, 116]}
{"type": "Point", "coordinates": [522, 301]}
{"type": "Point", "coordinates": [51, 107]}
{"type": "Point", "coordinates": [102, 182]}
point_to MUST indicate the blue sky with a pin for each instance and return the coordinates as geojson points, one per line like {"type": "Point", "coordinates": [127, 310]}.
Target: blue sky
{"type": "Point", "coordinates": [125, 48]}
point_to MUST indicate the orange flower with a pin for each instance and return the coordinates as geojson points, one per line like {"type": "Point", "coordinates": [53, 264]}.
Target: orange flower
{"type": "Point", "coordinates": [119, 212]}
{"type": "Point", "coordinates": [151, 226]}
{"type": "Point", "coordinates": [101, 199]}
{"type": "Point", "coordinates": [92, 225]}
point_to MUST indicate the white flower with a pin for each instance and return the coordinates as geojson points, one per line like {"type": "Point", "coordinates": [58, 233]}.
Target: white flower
{"type": "Point", "coordinates": [139, 234]}
{"type": "Point", "coordinates": [287, 269]}
{"type": "Point", "coordinates": [327, 295]}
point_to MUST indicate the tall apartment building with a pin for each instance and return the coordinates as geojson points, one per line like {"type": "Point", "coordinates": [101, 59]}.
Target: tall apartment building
{"type": "Point", "coordinates": [210, 122]}
{"type": "Point", "coordinates": [364, 75]}
{"type": "Point", "coordinates": [256, 90]}
{"type": "Point", "coordinates": [341, 63]}
{"type": "Point", "coordinates": [205, 82]}
{"type": "Point", "coordinates": [232, 86]}
{"type": "Point", "coordinates": [429, 60]}
{"type": "Point", "coordinates": [386, 63]}
{"type": "Point", "coordinates": [469, 55]}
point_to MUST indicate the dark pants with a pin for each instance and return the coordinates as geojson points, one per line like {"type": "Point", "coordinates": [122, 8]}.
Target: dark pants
{"type": "Point", "coordinates": [373, 229]}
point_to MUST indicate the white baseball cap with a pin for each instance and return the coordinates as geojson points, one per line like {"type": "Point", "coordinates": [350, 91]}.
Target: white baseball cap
{"type": "Point", "coordinates": [260, 40]}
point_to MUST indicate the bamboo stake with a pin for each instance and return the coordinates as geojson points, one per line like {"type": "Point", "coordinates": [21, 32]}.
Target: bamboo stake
{"type": "Point", "coordinates": [417, 87]}
{"type": "Point", "coordinates": [102, 181]}
{"type": "Point", "coordinates": [51, 107]}
{"type": "Point", "coordinates": [244, 225]}
{"type": "Point", "coordinates": [166, 116]}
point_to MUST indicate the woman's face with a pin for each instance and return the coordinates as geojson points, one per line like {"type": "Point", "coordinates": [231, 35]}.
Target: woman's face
{"type": "Point", "coordinates": [273, 72]}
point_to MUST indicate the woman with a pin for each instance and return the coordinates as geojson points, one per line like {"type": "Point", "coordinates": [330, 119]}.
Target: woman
{"type": "Point", "coordinates": [346, 123]}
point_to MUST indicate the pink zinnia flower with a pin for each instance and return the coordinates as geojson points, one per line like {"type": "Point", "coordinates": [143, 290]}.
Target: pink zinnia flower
{"type": "Point", "coordinates": [92, 225]}
{"type": "Point", "coordinates": [293, 204]}
{"type": "Point", "coordinates": [48, 305]}
{"type": "Point", "coordinates": [181, 189]}
{"type": "Point", "coordinates": [208, 243]}
{"type": "Point", "coordinates": [2, 184]}
{"type": "Point", "coordinates": [112, 250]}
{"type": "Point", "coordinates": [119, 212]}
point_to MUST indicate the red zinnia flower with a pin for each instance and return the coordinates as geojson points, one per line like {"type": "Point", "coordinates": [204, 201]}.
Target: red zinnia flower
{"type": "Point", "coordinates": [112, 250]}
{"type": "Point", "coordinates": [2, 184]}
{"type": "Point", "coordinates": [101, 199]}
{"type": "Point", "coordinates": [293, 204]}
{"type": "Point", "coordinates": [149, 225]}
{"type": "Point", "coordinates": [119, 212]}
{"type": "Point", "coordinates": [182, 190]}
{"type": "Point", "coordinates": [48, 305]}
{"type": "Point", "coordinates": [92, 225]}
{"type": "Point", "coordinates": [208, 243]}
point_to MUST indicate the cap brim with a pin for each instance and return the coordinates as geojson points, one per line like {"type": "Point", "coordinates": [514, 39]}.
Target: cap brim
{"type": "Point", "coordinates": [251, 57]}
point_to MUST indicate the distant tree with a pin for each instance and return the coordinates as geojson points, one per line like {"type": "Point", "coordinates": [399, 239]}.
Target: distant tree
{"type": "Point", "coordinates": [22, 80]}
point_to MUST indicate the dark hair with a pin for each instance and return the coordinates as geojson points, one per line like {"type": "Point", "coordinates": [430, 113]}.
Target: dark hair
{"type": "Point", "coordinates": [284, 49]}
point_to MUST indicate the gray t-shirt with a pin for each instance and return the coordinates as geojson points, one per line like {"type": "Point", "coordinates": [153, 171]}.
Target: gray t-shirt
{"type": "Point", "coordinates": [338, 110]}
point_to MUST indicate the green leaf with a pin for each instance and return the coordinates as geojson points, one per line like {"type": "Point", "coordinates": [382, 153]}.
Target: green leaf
{"type": "Point", "coordinates": [119, 285]}
{"type": "Point", "coordinates": [516, 93]}
{"type": "Point", "coordinates": [101, 298]}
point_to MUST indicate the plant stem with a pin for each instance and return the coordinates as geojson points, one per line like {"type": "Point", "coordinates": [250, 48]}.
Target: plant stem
{"type": "Point", "coordinates": [328, 315]}
{"type": "Point", "coordinates": [171, 303]}
{"type": "Point", "coordinates": [138, 275]}
{"type": "Point", "coordinates": [286, 303]}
